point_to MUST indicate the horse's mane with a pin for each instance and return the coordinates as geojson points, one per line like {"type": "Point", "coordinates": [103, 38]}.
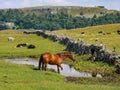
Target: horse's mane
{"type": "Point", "coordinates": [59, 54]}
{"type": "Point", "coordinates": [63, 53]}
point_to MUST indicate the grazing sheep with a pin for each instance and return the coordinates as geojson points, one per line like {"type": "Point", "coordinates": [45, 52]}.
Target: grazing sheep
{"type": "Point", "coordinates": [108, 33]}
{"type": "Point", "coordinates": [10, 39]}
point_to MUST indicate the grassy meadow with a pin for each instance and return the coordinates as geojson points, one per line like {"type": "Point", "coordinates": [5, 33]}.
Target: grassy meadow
{"type": "Point", "coordinates": [25, 77]}
{"type": "Point", "coordinates": [109, 35]}
{"type": "Point", "coordinates": [9, 49]}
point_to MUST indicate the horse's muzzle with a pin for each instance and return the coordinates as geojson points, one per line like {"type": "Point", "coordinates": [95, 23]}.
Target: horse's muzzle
{"type": "Point", "coordinates": [73, 60]}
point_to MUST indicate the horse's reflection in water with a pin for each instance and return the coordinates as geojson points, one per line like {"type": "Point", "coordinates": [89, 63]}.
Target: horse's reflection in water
{"type": "Point", "coordinates": [54, 59]}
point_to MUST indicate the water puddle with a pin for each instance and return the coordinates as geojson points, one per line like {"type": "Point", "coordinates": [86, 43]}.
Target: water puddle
{"type": "Point", "coordinates": [67, 70]}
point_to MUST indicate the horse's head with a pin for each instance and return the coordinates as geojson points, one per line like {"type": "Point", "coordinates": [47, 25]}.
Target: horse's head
{"type": "Point", "coordinates": [70, 56]}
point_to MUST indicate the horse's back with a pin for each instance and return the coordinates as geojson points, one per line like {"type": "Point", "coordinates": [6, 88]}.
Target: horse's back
{"type": "Point", "coordinates": [46, 55]}
{"type": "Point", "coordinates": [50, 58]}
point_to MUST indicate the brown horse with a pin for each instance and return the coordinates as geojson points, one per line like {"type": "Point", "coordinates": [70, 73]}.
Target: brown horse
{"type": "Point", "coordinates": [54, 59]}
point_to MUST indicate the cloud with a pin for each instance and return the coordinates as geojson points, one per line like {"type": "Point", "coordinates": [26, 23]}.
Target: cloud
{"type": "Point", "coordinates": [109, 4]}
{"type": "Point", "coordinates": [55, 2]}
{"type": "Point", "coordinates": [6, 4]}
{"type": "Point", "coordinates": [29, 3]}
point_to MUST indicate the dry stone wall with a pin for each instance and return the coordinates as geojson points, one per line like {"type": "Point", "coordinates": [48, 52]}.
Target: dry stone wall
{"type": "Point", "coordinates": [98, 52]}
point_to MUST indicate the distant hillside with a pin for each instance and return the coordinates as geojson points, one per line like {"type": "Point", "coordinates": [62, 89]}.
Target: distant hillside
{"type": "Point", "coordinates": [72, 10]}
{"type": "Point", "coordinates": [57, 17]}
{"type": "Point", "coordinates": [108, 35]}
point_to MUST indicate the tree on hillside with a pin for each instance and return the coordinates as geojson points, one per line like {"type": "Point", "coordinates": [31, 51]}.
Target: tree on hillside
{"type": "Point", "coordinates": [3, 27]}
{"type": "Point", "coordinates": [48, 21]}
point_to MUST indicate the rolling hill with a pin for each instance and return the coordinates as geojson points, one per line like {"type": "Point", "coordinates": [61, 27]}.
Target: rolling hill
{"type": "Point", "coordinates": [72, 10]}
{"type": "Point", "coordinates": [57, 17]}
{"type": "Point", "coordinates": [109, 35]}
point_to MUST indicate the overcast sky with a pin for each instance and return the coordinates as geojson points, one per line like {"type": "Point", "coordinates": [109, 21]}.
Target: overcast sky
{"type": "Point", "coordinates": [109, 4]}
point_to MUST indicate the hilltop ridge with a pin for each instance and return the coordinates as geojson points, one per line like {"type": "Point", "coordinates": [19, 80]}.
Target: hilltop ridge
{"type": "Point", "coordinates": [57, 17]}
{"type": "Point", "coordinates": [72, 10]}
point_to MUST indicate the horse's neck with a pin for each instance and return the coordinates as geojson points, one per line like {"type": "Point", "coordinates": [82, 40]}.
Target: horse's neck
{"type": "Point", "coordinates": [63, 56]}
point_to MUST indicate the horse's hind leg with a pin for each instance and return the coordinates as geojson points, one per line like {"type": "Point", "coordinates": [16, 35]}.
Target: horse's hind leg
{"type": "Point", "coordinates": [45, 66]}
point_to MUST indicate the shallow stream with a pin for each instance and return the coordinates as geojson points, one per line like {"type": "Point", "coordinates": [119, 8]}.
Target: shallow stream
{"type": "Point", "coordinates": [67, 70]}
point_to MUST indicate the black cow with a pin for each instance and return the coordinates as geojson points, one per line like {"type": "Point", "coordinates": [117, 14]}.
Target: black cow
{"type": "Point", "coordinates": [118, 31]}
{"type": "Point", "coordinates": [31, 46]}
{"type": "Point", "coordinates": [22, 45]}
{"type": "Point", "coordinates": [100, 32]}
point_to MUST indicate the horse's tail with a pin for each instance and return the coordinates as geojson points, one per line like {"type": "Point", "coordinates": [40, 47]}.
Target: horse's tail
{"type": "Point", "coordinates": [40, 61]}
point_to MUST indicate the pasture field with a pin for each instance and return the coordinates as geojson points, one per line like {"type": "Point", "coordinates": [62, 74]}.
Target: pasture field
{"type": "Point", "coordinates": [25, 77]}
{"type": "Point", "coordinates": [9, 49]}
{"type": "Point", "coordinates": [109, 35]}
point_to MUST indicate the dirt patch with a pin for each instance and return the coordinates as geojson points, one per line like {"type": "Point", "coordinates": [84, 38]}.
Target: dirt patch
{"type": "Point", "coordinates": [101, 81]}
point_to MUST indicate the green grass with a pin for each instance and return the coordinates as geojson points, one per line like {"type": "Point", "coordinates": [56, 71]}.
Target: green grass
{"type": "Point", "coordinates": [24, 77]}
{"type": "Point", "coordinates": [91, 33]}
{"type": "Point", "coordinates": [9, 49]}
{"type": "Point", "coordinates": [82, 64]}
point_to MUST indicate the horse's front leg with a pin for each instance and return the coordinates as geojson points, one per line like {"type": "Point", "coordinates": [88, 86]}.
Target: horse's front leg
{"type": "Point", "coordinates": [58, 68]}
{"type": "Point", "coordinates": [61, 68]}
